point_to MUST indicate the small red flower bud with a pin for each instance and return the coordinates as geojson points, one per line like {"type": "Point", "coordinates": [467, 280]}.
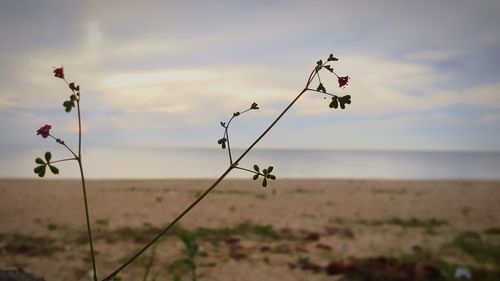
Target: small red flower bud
{"type": "Point", "coordinates": [59, 72]}
{"type": "Point", "coordinates": [343, 81]}
{"type": "Point", "coordinates": [44, 131]}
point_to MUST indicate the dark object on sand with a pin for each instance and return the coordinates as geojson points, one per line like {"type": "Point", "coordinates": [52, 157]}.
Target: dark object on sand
{"type": "Point", "coordinates": [18, 275]}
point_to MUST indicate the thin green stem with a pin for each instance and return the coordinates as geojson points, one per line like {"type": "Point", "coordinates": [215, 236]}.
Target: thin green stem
{"type": "Point", "coordinates": [206, 192]}
{"type": "Point", "coordinates": [314, 90]}
{"type": "Point", "coordinates": [226, 134]}
{"type": "Point", "coordinates": [87, 216]}
{"type": "Point", "coordinates": [150, 263]}
{"type": "Point", "coordinates": [59, 141]}
{"type": "Point", "coordinates": [62, 160]}
{"type": "Point", "coordinates": [248, 170]}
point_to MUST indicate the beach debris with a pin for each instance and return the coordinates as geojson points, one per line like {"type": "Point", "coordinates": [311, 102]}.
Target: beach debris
{"type": "Point", "coordinates": [462, 272]}
{"type": "Point", "coordinates": [312, 236]}
{"type": "Point", "coordinates": [323, 247]}
{"type": "Point", "coordinates": [383, 268]}
{"type": "Point", "coordinates": [306, 264]}
{"type": "Point", "coordinates": [265, 249]}
{"type": "Point", "coordinates": [18, 275]}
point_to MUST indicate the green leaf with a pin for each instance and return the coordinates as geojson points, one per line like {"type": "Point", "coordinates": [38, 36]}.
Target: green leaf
{"type": "Point", "coordinates": [329, 68]}
{"type": "Point", "coordinates": [72, 98]}
{"type": "Point", "coordinates": [54, 169]}
{"type": "Point", "coordinates": [270, 169]}
{"type": "Point", "coordinates": [347, 99]}
{"type": "Point", "coordinates": [264, 182]}
{"type": "Point", "coordinates": [39, 161]}
{"type": "Point", "coordinates": [48, 156]}
{"type": "Point", "coordinates": [236, 114]}
{"type": "Point", "coordinates": [334, 103]}
{"type": "Point", "coordinates": [222, 142]}
{"type": "Point", "coordinates": [256, 168]}
{"type": "Point", "coordinates": [40, 170]}
{"type": "Point", "coordinates": [264, 171]}
{"type": "Point", "coordinates": [344, 100]}
{"type": "Point", "coordinates": [68, 105]}
{"type": "Point", "coordinates": [321, 88]}
{"type": "Point", "coordinates": [255, 177]}
{"type": "Point", "coordinates": [223, 124]}
{"type": "Point", "coordinates": [273, 177]}
{"type": "Point", "coordinates": [332, 58]}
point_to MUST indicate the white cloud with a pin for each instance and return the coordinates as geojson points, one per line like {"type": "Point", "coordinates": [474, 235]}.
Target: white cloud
{"type": "Point", "coordinates": [190, 92]}
{"type": "Point", "coordinates": [129, 80]}
{"type": "Point", "coordinates": [484, 95]}
{"type": "Point", "coordinates": [435, 55]}
{"type": "Point", "coordinates": [5, 103]}
{"type": "Point", "coordinates": [94, 35]}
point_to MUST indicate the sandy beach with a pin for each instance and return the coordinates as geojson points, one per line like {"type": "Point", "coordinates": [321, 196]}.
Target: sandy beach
{"type": "Point", "coordinates": [291, 230]}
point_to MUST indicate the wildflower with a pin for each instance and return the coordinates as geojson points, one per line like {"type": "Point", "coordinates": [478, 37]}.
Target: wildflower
{"type": "Point", "coordinates": [343, 81]}
{"type": "Point", "coordinates": [44, 131]}
{"type": "Point", "coordinates": [59, 72]}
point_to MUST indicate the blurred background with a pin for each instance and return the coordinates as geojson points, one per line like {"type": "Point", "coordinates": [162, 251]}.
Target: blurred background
{"type": "Point", "coordinates": [157, 77]}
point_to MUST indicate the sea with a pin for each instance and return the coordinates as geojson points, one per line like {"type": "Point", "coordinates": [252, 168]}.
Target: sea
{"type": "Point", "coordinates": [175, 163]}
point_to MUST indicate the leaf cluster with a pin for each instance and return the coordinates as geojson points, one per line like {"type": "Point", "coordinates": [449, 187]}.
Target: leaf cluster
{"type": "Point", "coordinates": [336, 100]}
{"type": "Point", "coordinates": [42, 167]}
{"type": "Point", "coordinates": [340, 100]}
{"type": "Point", "coordinates": [266, 174]}
{"type": "Point", "coordinates": [70, 104]}
{"type": "Point", "coordinates": [222, 142]}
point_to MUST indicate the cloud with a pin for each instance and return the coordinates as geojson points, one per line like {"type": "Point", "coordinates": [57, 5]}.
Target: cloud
{"type": "Point", "coordinates": [435, 55]}
{"type": "Point", "coordinates": [131, 80]}
{"type": "Point", "coordinates": [485, 95]}
{"type": "Point", "coordinates": [5, 103]}
{"type": "Point", "coordinates": [191, 92]}
{"type": "Point", "coordinates": [94, 35]}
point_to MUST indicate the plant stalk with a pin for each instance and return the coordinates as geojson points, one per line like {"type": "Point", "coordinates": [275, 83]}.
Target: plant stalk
{"type": "Point", "coordinates": [87, 216]}
{"type": "Point", "coordinates": [231, 167]}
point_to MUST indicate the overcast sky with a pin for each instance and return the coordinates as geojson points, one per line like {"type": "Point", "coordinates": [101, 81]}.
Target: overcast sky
{"type": "Point", "coordinates": [425, 74]}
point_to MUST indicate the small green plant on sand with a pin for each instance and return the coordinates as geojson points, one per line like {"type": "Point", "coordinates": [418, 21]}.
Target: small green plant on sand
{"type": "Point", "coordinates": [314, 84]}
{"type": "Point", "coordinates": [190, 252]}
{"type": "Point", "coordinates": [475, 246]}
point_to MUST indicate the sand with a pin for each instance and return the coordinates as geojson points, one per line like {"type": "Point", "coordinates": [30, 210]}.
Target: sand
{"type": "Point", "coordinates": [315, 220]}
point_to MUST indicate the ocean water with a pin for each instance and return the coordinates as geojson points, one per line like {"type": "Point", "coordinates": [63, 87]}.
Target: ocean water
{"type": "Point", "coordinates": [158, 163]}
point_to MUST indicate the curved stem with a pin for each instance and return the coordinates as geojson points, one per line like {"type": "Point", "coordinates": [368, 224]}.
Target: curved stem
{"type": "Point", "coordinates": [64, 144]}
{"type": "Point", "coordinates": [228, 147]}
{"type": "Point", "coordinates": [206, 192]}
{"type": "Point", "coordinates": [226, 134]}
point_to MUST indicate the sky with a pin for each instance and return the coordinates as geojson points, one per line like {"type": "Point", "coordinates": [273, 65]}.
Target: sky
{"type": "Point", "coordinates": [424, 74]}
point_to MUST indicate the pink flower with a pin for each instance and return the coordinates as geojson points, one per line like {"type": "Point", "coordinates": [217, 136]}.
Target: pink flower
{"type": "Point", "coordinates": [343, 81]}
{"type": "Point", "coordinates": [59, 72]}
{"type": "Point", "coordinates": [44, 131]}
